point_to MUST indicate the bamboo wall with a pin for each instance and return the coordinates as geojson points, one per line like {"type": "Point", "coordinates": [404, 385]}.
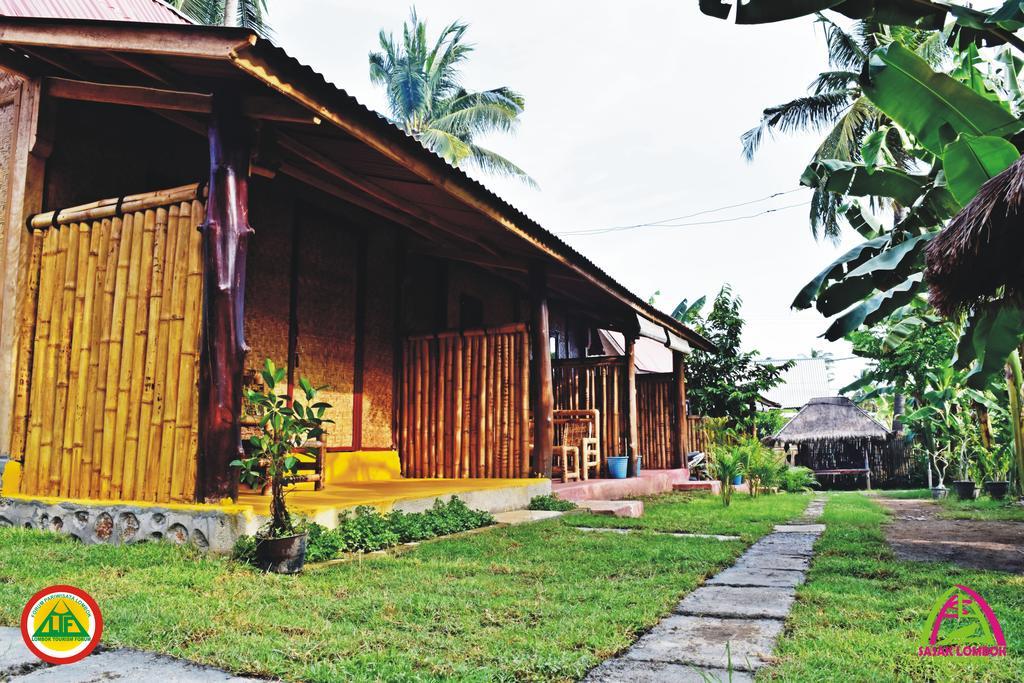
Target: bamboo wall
{"type": "Point", "coordinates": [698, 438]}
{"type": "Point", "coordinates": [110, 411]}
{"type": "Point", "coordinates": [465, 404]}
{"type": "Point", "coordinates": [655, 419]}
{"type": "Point", "coordinates": [586, 384]}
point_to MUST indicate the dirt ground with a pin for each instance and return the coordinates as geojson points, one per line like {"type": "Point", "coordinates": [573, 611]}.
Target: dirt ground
{"type": "Point", "coordinates": [916, 532]}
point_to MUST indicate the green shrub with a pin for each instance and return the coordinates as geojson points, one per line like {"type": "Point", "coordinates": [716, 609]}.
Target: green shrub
{"type": "Point", "coordinates": [244, 550]}
{"type": "Point", "coordinates": [323, 543]}
{"type": "Point", "coordinates": [455, 516]}
{"type": "Point", "coordinates": [550, 502]}
{"type": "Point", "coordinates": [798, 479]}
{"type": "Point", "coordinates": [408, 527]}
{"type": "Point", "coordinates": [725, 464]}
{"type": "Point", "coordinates": [365, 531]}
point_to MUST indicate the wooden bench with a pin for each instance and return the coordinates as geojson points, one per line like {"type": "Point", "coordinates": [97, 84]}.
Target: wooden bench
{"type": "Point", "coordinates": [866, 472]}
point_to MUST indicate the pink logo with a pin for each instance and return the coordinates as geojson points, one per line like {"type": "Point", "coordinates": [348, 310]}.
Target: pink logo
{"type": "Point", "coordinates": [961, 624]}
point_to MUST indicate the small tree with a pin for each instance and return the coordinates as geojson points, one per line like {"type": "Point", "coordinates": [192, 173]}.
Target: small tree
{"type": "Point", "coordinates": [286, 425]}
{"type": "Point", "coordinates": [726, 464]}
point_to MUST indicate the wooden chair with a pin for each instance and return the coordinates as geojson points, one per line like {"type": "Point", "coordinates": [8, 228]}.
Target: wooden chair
{"type": "Point", "coordinates": [579, 446]}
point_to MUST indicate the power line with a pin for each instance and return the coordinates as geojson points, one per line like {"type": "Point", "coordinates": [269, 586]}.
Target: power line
{"type": "Point", "coordinates": [666, 224]}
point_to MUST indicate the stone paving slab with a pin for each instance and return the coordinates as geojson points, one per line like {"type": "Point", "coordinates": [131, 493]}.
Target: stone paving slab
{"type": "Point", "coordinates": [524, 516]}
{"type": "Point", "coordinates": [129, 666]}
{"type": "Point", "coordinates": [14, 656]}
{"type": "Point", "coordinates": [800, 528]}
{"type": "Point", "coordinates": [738, 602]}
{"type": "Point", "coordinates": [677, 534]}
{"type": "Point", "coordinates": [620, 671]}
{"type": "Point", "coordinates": [618, 508]}
{"type": "Point", "coordinates": [766, 560]}
{"type": "Point", "coordinates": [755, 576]}
{"type": "Point", "coordinates": [701, 641]}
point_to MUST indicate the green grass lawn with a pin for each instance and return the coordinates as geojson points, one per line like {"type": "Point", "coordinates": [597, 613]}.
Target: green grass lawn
{"type": "Point", "coordinates": [540, 601]}
{"type": "Point", "coordinates": [981, 508]}
{"type": "Point", "coordinates": [701, 513]}
{"type": "Point", "coordinates": [859, 615]}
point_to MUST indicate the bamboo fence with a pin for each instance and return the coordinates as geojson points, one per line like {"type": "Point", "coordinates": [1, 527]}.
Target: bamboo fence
{"type": "Point", "coordinates": [697, 435]}
{"type": "Point", "coordinates": [596, 383]}
{"type": "Point", "coordinates": [464, 404]}
{"type": "Point", "coordinates": [108, 408]}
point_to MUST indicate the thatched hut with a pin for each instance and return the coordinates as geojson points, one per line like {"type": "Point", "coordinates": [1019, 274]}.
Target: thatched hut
{"type": "Point", "coordinates": [979, 251]}
{"type": "Point", "coordinates": [840, 441]}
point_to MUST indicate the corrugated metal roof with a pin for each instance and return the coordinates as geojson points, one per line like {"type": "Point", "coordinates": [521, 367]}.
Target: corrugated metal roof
{"type": "Point", "coordinates": [153, 11]}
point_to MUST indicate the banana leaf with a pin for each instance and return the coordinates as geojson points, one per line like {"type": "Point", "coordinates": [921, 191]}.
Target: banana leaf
{"type": "Point", "coordinates": [860, 219]}
{"type": "Point", "coordinates": [931, 106]}
{"type": "Point", "coordinates": [765, 11]}
{"type": "Point", "coordinates": [970, 161]}
{"type": "Point", "coordinates": [875, 308]}
{"type": "Point", "coordinates": [858, 254]}
{"type": "Point", "coordinates": [991, 334]}
{"type": "Point", "coordinates": [854, 179]}
{"type": "Point", "coordinates": [890, 267]}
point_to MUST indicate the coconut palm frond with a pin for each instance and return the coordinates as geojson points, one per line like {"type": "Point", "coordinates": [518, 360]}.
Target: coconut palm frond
{"type": "Point", "coordinates": [252, 14]}
{"type": "Point", "coordinates": [845, 138]}
{"type": "Point", "coordinates": [845, 51]}
{"type": "Point", "coordinates": [834, 81]}
{"type": "Point", "coordinates": [208, 12]}
{"type": "Point", "coordinates": [442, 143]}
{"type": "Point", "coordinates": [804, 113]}
{"type": "Point", "coordinates": [478, 113]}
{"type": "Point", "coordinates": [494, 163]}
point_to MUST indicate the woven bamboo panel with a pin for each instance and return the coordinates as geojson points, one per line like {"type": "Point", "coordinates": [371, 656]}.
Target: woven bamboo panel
{"type": "Point", "coordinates": [655, 419]}
{"type": "Point", "coordinates": [595, 383]}
{"type": "Point", "coordinates": [379, 344]}
{"type": "Point", "coordinates": [697, 434]}
{"type": "Point", "coordinates": [325, 309]}
{"type": "Point", "coordinates": [465, 404]}
{"type": "Point", "coordinates": [111, 408]}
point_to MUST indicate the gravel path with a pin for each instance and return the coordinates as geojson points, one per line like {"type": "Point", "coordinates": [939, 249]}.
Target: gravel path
{"type": "Point", "coordinates": [731, 622]}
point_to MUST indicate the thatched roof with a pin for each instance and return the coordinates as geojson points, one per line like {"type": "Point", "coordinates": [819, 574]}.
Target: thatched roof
{"type": "Point", "coordinates": [980, 250]}
{"type": "Point", "coordinates": [828, 419]}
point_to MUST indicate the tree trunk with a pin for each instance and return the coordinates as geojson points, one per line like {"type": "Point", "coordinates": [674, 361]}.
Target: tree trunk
{"type": "Point", "coordinates": [222, 352]}
{"type": "Point", "coordinates": [231, 12]}
{"type": "Point", "coordinates": [898, 407]}
{"type": "Point", "coordinates": [543, 391]}
{"type": "Point", "coordinates": [280, 522]}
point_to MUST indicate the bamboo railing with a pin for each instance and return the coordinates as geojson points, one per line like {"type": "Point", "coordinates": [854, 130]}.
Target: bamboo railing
{"type": "Point", "coordinates": [595, 383]}
{"type": "Point", "coordinates": [107, 408]}
{"type": "Point", "coordinates": [655, 419]}
{"type": "Point", "coordinates": [464, 404]}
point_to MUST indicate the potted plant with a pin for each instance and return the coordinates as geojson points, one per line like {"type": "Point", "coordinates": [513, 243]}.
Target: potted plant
{"type": "Point", "coordinates": [286, 426]}
{"type": "Point", "coordinates": [995, 463]}
{"type": "Point", "coordinates": [941, 464]}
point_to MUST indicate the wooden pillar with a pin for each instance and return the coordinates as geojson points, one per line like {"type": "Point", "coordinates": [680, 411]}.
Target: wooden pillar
{"type": "Point", "coordinates": [680, 438]}
{"type": "Point", "coordinates": [30, 143]}
{"type": "Point", "coordinates": [631, 406]}
{"type": "Point", "coordinates": [222, 353]}
{"type": "Point", "coordinates": [543, 396]}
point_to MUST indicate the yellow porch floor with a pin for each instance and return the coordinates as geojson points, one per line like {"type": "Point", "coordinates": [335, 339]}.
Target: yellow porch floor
{"type": "Point", "coordinates": [379, 494]}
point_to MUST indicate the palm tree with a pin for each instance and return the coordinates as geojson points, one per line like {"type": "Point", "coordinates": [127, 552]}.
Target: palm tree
{"type": "Point", "coordinates": [427, 100]}
{"type": "Point", "coordinates": [250, 14]}
{"type": "Point", "coordinates": [835, 102]}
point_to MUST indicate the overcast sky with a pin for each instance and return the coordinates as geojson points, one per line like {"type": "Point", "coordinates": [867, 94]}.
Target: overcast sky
{"type": "Point", "coordinates": [633, 114]}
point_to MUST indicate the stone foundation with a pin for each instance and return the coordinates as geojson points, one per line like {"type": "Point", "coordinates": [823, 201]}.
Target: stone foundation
{"type": "Point", "coordinates": [115, 523]}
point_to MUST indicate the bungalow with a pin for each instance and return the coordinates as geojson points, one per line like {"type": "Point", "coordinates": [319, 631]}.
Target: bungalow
{"type": "Point", "coordinates": [180, 202]}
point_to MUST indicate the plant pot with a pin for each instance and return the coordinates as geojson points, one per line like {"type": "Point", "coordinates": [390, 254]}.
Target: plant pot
{"type": "Point", "coordinates": [939, 492]}
{"type": "Point", "coordinates": [618, 466]}
{"type": "Point", "coordinates": [965, 490]}
{"type": "Point", "coordinates": [997, 489]}
{"type": "Point", "coordinates": [737, 480]}
{"type": "Point", "coordinates": [281, 555]}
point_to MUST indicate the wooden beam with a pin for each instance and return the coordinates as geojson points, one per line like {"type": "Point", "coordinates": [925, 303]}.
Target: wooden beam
{"type": "Point", "coordinates": [222, 352]}
{"type": "Point", "coordinates": [263, 108]}
{"type": "Point", "coordinates": [156, 39]}
{"type": "Point", "coordinates": [146, 67]}
{"type": "Point", "coordinates": [631, 405]}
{"type": "Point", "coordinates": [376, 191]}
{"type": "Point", "coordinates": [543, 390]}
{"type": "Point", "coordinates": [680, 425]}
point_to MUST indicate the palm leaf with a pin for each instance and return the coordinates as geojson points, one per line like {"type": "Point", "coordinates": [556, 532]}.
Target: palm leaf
{"type": "Point", "coordinates": [494, 163]}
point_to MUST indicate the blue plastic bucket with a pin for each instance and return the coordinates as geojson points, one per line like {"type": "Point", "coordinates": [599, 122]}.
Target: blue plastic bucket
{"type": "Point", "coordinates": [737, 480]}
{"type": "Point", "coordinates": [638, 461]}
{"type": "Point", "coordinates": [617, 466]}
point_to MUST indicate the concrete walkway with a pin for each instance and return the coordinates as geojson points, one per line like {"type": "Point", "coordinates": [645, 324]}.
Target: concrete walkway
{"type": "Point", "coordinates": [731, 622]}
{"type": "Point", "coordinates": [19, 665]}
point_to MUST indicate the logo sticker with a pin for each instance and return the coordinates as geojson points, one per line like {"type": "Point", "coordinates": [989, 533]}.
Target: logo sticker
{"type": "Point", "coordinates": [961, 624]}
{"type": "Point", "coordinates": [61, 624]}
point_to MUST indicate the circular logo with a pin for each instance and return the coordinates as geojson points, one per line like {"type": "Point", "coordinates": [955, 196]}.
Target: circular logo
{"type": "Point", "coordinates": [61, 624]}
